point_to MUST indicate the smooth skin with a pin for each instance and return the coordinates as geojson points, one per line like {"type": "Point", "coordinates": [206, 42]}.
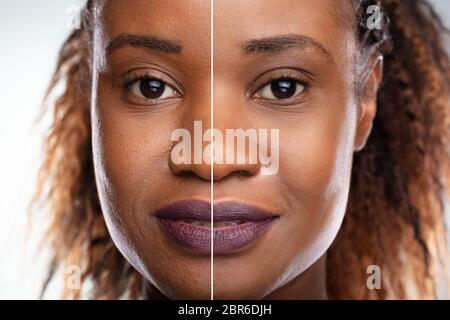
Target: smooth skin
{"type": "Point", "coordinates": [256, 42]}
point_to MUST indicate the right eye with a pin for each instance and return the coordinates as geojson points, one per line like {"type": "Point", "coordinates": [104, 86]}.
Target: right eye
{"type": "Point", "coordinates": [152, 89]}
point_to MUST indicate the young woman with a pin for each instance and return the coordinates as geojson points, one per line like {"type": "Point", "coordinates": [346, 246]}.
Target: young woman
{"type": "Point", "coordinates": [356, 207]}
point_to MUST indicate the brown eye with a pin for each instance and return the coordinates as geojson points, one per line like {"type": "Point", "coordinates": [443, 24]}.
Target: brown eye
{"type": "Point", "coordinates": [281, 89]}
{"type": "Point", "coordinates": [152, 89]}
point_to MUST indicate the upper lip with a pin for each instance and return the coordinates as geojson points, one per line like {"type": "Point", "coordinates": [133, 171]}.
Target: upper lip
{"type": "Point", "coordinates": [222, 211]}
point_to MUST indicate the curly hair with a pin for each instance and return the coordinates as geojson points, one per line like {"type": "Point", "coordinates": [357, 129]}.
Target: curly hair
{"type": "Point", "coordinates": [396, 210]}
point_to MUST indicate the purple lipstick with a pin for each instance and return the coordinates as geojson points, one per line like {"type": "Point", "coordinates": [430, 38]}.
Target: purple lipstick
{"type": "Point", "coordinates": [235, 224]}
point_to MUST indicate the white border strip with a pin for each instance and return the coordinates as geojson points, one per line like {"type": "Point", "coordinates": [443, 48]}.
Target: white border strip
{"type": "Point", "coordinates": [212, 150]}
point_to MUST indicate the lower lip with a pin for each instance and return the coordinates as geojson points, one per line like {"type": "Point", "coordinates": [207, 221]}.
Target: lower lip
{"type": "Point", "coordinates": [226, 239]}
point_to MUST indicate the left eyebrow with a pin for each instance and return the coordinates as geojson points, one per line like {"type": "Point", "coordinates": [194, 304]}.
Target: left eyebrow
{"type": "Point", "coordinates": [276, 44]}
{"type": "Point", "coordinates": [144, 41]}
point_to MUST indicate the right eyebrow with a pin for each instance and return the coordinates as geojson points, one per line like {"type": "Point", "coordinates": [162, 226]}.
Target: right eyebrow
{"type": "Point", "coordinates": [271, 45]}
{"type": "Point", "coordinates": [141, 41]}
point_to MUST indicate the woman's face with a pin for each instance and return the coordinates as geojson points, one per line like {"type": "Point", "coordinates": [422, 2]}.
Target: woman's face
{"type": "Point", "coordinates": [285, 65]}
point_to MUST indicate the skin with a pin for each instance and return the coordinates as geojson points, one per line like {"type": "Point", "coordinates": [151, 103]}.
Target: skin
{"type": "Point", "coordinates": [320, 129]}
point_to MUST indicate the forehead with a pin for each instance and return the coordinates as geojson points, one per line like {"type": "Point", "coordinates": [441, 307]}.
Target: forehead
{"type": "Point", "coordinates": [276, 14]}
{"type": "Point", "coordinates": [328, 21]}
{"type": "Point", "coordinates": [167, 17]}
{"type": "Point", "coordinates": [182, 16]}
{"type": "Point", "coordinates": [235, 21]}
{"type": "Point", "coordinates": [185, 22]}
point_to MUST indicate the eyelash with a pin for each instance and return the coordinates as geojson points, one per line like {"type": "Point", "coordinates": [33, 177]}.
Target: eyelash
{"type": "Point", "coordinates": [288, 76]}
{"type": "Point", "coordinates": [129, 80]}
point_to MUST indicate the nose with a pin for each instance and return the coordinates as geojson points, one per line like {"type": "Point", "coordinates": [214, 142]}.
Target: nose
{"type": "Point", "coordinates": [230, 158]}
{"type": "Point", "coordinates": [240, 165]}
{"type": "Point", "coordinates": [222, 171]}
{"type": "Point", "coordinates": [219, 172]}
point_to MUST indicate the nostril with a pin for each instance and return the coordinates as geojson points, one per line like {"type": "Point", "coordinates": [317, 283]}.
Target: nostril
{"type": "Point", "coordinates": [242, 173]}
{"type": "Point", "coordinates": [193, 174]}
{"type": "Point", "coordinates": [190, 174]}
{"type": "Point", "coordinates": [186, 173]}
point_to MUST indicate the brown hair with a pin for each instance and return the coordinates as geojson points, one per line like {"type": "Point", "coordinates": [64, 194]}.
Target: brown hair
{"type": "Point", "coordinates": [395, 214]}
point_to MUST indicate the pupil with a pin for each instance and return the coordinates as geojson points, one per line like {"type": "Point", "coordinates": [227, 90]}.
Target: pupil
{"type": "Point", "coordinates": [152, 89]}
{"type": "Point", "coordinates": [283, 89]}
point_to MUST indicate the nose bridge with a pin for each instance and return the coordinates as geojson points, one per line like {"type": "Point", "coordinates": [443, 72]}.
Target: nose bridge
{"type": "Point", "coordinates": [187, 152]}
{"type": "Point", "coordinates": [199, 104]}
{"type": "Point", "coordinates": [238, 153]}
{"type": "Point", "coordinates": [233, 144]}
{"type": "Point", "coordinates": [227, 106]}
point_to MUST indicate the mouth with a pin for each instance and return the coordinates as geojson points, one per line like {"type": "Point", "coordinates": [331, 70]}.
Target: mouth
{"type": "Point", "coordinates": [234, 225]}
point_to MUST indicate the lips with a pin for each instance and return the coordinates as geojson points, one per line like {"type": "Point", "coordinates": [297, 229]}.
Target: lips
{"type": "Point", "coordinates": [235, 224]}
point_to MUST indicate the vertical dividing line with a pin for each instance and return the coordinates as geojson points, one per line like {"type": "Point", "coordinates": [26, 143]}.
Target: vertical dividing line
{"type": "Point", "coordinates": [212, 150]}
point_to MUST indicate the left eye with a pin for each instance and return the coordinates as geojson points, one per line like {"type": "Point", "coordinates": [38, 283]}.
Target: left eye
{"type": "Point", "coordinates": [152, 89]}
{"type": "Point", "coordinates": [281, 89]}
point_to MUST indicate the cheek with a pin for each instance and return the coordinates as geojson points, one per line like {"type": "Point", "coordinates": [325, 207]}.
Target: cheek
{"type": "Point", "coordinates": [131, 156]}
{"type": "Point", "coordinates": [315, 167]}
{"type": "Point", "coordinates": [131, 159]}
{"type": "Point", "coordinates": [131, 147]}
{"type": "Point", "coordinates": [312, 156]}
